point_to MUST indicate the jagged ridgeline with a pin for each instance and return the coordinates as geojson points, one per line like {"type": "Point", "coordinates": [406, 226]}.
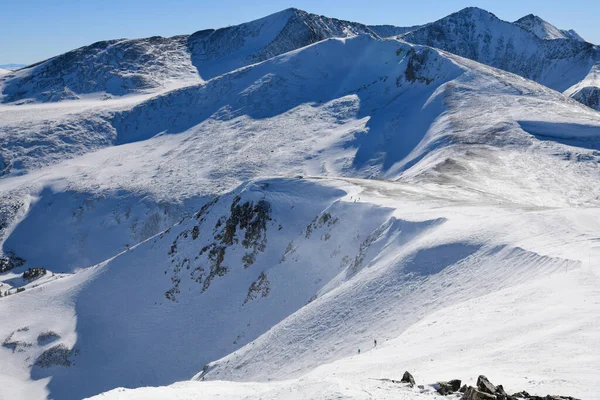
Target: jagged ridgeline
{"type": "Point", "coordinates": [121, 66]}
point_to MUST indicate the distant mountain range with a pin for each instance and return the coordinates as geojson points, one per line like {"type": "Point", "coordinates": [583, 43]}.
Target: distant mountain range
{"type": "Point", "coordinates": [530, 47]}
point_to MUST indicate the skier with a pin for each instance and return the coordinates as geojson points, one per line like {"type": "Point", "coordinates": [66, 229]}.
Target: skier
{"type": "Point", "coordinates": [374, 342]}
{"type": "Point", "coordinates": [358, 351]}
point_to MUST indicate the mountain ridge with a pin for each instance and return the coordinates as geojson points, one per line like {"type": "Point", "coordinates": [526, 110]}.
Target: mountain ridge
{"type": "Point", "coordinates": [122, 66]}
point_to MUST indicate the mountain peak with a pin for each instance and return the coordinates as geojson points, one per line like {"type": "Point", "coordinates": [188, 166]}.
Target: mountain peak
{"type": "Point", "coordinates": [545, 30]}
{"type": "Point", "coordinates": [474, 11]}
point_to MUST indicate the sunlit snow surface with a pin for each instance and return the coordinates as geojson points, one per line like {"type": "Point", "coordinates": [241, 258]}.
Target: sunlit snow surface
{"type": "Point", "coordinates": [471, 250]}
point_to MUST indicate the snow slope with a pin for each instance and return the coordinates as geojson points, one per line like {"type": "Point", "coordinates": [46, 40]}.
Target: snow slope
{"type": "Point", "coordinates": [183, 240]}
{"type": "Point", "coordinates": [588, 90]}
{"type": "Point", "coordinates": [124, 66]}
{"type": "Point", "coordinates": [479, 35]}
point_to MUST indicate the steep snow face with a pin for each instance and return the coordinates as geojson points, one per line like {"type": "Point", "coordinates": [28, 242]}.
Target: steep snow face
{"type": "Point", "coordinates": [479, 35]}
{"type": "Point", "coordinates": [118, 67]}
{"type": "Point", "coordinates": [215, 52]}
{"type": "Point", "coordinates": [588, 90]}
{"type": "Point", "coordinates": [544, 30]}
{"type": "Point", "coordinates": [381, 74]}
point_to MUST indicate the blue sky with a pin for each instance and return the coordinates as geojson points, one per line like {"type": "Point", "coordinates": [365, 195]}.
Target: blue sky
{"type": "Point", "coordinates": [32, 30]}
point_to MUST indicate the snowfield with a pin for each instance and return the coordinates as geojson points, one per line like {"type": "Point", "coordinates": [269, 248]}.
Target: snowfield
{"type": "Point", "coordinates": [249, 229]}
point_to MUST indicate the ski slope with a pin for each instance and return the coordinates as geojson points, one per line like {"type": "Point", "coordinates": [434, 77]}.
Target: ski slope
{"type": "Point", "coordinates": [252, 231]}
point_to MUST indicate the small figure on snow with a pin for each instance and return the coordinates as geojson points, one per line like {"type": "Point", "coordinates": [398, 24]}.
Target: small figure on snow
{"type": "Point", "coordinates": [358, 351]}
{"type": "Point", "coordinates": [374, 342]}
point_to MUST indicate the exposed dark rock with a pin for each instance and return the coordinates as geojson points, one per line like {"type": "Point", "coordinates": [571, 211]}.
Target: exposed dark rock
{"type": "Point", "coordinates": [324, 219]}
{"type": "Point", "coordinates": [473, 394]}
{"type": "Point", "coordinates": [408, 378]}
{"type": "Point", "coordinates": [10, 261]}
{"type": "Point", "coordinates": [15, 345]}
{"type": "Point", "coordinates": [47, 337]}
{"type": "Point", "coordinates": [445, 388]}
{"type": "Point", "coordinates": [416, 66]}
{"type": "Point", "coordinates": [56, 355]}
{"type": "Point", "coordinates": [485, 390]}
{"type": "Point", "coordinates": [484, 385]}
{"type": "Point", "coordinates": [34, 273]}
{"type": "Point", "coordinates": [259, 287]}
{"type": "Point", "coordinates": [500, 393]}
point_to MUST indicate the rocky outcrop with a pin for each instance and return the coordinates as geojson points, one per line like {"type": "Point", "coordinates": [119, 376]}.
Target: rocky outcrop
{"type": "Point", "coordinates": [449, 387]}
{"type": "Point", "coordinates": [484, 390]}
{"type": "Point", "coordinates": [33, 274]}
{"type": "Point", "coordinates": [55, 356]}
{"type": "Point", "coordinates": [408, 378]}
{"type": "Point", "coordinates": [10, 261]}
{"type": "Point", "coordinates": [245, 225]}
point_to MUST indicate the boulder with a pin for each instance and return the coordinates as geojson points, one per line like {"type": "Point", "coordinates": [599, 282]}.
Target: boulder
{"type": "Point", "coordinates": [500, 393]}
{"type": "Point", "coordinates": [408, 378]}
{"type": "Point", "coordinates": [473, 394]}
{"type": "Point", "coordinates": [445, 388]}
{"type": "Point", "coordinates": [484, 385]}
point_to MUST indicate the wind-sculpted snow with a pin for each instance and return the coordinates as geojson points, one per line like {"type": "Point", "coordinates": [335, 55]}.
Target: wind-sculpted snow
{"type": "Point", "coordinates": [119, 67]}
{"type": "Point", "coordinates": [479, 35]}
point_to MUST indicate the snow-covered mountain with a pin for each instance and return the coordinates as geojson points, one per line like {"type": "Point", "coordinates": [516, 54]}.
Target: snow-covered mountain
{"type": "Point", "coordinates": [477, 34]}
{"type": "Point", "coordinates": [255, 230]}
{"type": "Point", "coordinates": [545, 30]}
{"type": "Point", "coordinates": [588, 90]}
{"type": "Point", "coordinates": [118, 67]}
